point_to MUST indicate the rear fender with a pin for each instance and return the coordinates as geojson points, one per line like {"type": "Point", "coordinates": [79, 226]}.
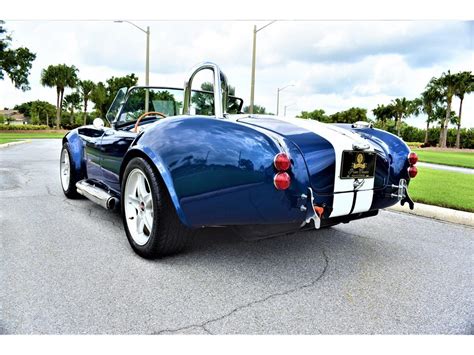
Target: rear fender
{"type": "Point", "coordinates": [157, 162]}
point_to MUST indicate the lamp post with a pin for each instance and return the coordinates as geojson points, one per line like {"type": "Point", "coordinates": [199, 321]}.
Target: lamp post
{"type": "Point", "coordinates": [278, 96]}
{"type": "Point", "coordinates": [147, 60]}
{"type": "Point", "coordinates": [285, 107]}
{"type": "Point", "coordinates": [254, 50]}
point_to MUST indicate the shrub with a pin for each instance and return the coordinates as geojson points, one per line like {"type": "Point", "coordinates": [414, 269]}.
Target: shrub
{"type": "Point", "coordinates": [22, 127]}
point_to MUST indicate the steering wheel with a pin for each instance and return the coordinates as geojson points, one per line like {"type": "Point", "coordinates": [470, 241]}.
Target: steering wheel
{"type": "Point", "coordinates": [135, 129]}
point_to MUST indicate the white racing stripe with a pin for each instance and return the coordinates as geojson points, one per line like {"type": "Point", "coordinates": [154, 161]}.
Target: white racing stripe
{"type": "Point", "coordinates": [341, 140]}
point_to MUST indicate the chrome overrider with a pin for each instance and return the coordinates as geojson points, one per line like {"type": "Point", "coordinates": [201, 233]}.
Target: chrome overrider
{"type": "Point", "coordinates": [402, 193]}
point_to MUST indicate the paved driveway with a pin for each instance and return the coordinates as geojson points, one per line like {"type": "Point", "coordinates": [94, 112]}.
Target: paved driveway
{"type": "Point", "coordinates": [66, 267]}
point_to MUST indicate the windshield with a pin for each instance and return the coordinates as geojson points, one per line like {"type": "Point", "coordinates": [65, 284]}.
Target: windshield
{"type": "Point", "coordinates": [169, 101]}
{"type": "Point", "coordinates": [115, 107]}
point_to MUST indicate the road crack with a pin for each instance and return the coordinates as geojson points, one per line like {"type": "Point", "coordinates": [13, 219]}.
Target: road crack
{"type": "Point", "coordinates": [250, 304]}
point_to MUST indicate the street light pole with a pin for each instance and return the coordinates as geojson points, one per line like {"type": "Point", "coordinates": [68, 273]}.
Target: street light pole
{"type": "Point", "coordinates": [147, 68]}
{"type": "Point", "coordinates": [147, 59]}
{"type": "Point", "coordinates": [254, 52]}
{"type": "Point", "coordinates": [252, 81]}
{"type": "Point", "coordinates": [286, 106]}
{"type": "Point", "coordinates": [278, 96]}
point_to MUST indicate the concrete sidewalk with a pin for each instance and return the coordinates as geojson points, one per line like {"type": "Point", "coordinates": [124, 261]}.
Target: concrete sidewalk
{"type": "Point", "coordinates": [439, 213]}
{"type": "Point", "coordinates": [456, 169]}
{"type": "Point", "coordinates": [9, 144]}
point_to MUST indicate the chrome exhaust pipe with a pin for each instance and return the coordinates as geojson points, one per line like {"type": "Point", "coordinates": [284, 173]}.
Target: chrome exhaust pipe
{"type": "Point", "coordinates": [97, 195]}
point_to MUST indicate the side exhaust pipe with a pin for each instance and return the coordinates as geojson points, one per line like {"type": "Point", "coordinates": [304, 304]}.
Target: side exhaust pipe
{"type": "Point", "coordinates": [97, 195]}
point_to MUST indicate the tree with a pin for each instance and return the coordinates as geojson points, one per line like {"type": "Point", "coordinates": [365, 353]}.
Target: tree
{"type": "Point", "coordinates": [401, 108]}
{"type": "Point", "coordinates": [16, 63]}
{"type": "Point", "coordinates": [60, 76]}
{"type": "Point", "coordinates": [258, 110]}
{"type": "Point", "coordinates": [464, 85]}
{"type": "Point", "coordinates": [86, 87]}
{"type": "Point", "coordinates": [318, 115]}
{"type": "Point", "coordinates": [446, 84]}
{"type": "Point", "coordinates": [351, 115]}
{"type": "Point", "coordinates": [72, 102]}
{"type": "Point", "coordinates": [39, 111]}
{"type": "Point", "coordinates": [114, 84]}
{"type": "Point", "coordinates": [383, 113]}
{"type": "Point", "coordinates": [42, 111]}
{"type": "Point", "coordinates": [102, 95]}
{"type": "Point", "coordinates": [24, 108]}
{"type": "Point", "coordinates": [428, 103]}
{"type": "Point", "coordinates": [207, 86]}
{"type": "Point", "coordinates": [99, 98]}
{"type": "Point", "coordinates": [204, 102]}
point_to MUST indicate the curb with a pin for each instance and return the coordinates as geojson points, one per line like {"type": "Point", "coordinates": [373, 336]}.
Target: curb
{"type": "Point", "coordinates": [9, 144]}
{"type": "Point", "coordinates": [439, 213]}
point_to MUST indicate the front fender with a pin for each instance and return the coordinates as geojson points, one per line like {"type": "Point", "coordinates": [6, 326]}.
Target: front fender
{"type": "Point", "coordinates": [76, 148]}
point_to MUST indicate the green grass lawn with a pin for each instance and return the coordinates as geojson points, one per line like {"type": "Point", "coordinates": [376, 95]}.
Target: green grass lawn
{"type": "Point", "coordinates": [7, 140]}
{"type": "Point", "coordinates": [443, 188]}
{"type": "Point", "coordinates": [30, 135]}
{"type": "Point", "coordinates": [463, 159]}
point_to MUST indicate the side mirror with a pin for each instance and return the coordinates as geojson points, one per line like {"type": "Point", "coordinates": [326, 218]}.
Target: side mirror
{"type": "Point", "coordinates": [98, 123]}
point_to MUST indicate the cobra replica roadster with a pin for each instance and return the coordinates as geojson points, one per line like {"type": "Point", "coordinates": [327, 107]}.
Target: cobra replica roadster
{"type": "Point", "coordinates": [174, 160]}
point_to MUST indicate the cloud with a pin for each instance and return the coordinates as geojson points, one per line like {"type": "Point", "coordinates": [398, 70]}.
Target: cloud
{"type": "Point", "coordinates": [333, 65]}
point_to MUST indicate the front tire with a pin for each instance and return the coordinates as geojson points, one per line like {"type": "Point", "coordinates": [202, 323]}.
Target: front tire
{"type": "Point", "coordinates": [67, 174]}
{"type": "Point", "coordinates": [149, 217]}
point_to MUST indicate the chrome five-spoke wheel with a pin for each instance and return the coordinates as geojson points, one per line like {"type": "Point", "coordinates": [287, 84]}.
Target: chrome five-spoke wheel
{"type": "Point", "coordinates": [138, 204]}
{"type": "Point", "coordinates": [65, 169]}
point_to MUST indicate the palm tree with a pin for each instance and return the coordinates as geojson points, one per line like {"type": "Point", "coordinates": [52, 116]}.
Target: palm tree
{"type": "Point", "coordinates": [446, 84]}
{"type": "Point", "coordinates": [383, 113]}
{"type": "Point", "coordinates": [86, 87]}
{"type": "Point", "coordinates": [464, 85]}
{"type": "Point", "coordinates": [60, 76]}
{"type": "Point", "coordinates": [402, 108]}
{"type": "Point", "coordinates": [72, 102]}
{"type": "Point", "coordinates": [427, 104]}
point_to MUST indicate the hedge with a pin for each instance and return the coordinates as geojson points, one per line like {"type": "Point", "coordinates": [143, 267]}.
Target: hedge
{"type": "Point", "coordinates": [22, 127]}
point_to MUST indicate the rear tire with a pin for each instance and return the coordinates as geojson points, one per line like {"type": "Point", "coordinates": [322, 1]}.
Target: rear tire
{"type": "Point", "coordinates": [67, 173]}
{"type": "Point", "coordinates": [149, 217]}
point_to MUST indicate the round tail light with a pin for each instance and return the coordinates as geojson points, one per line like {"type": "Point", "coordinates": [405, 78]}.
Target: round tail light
{"type": "Point", "coordinates": [412, 158]}
{"type": "Point", "coordinates": [412, 171]}
{"type": "Point", "coordinates": [282, 162]}
{"type": "Point", "coordinates": [282, 181]}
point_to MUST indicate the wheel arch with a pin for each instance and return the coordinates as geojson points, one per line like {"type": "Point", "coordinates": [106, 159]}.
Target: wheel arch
{"type": "Point", "coordinates": [76, 148]}
{"type": "Point", "coordinates": [161, 170]}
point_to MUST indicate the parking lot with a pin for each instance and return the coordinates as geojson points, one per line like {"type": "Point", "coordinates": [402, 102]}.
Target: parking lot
{"type": "Point", "coordinates": [66, 268]}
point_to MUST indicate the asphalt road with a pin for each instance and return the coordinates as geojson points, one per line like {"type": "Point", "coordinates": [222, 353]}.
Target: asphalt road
{"type": "Point", "coordinates": [66, 267]}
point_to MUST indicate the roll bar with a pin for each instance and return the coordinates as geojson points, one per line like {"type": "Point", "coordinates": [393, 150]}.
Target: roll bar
{"type": "Point", "coordinates": [221, 89]}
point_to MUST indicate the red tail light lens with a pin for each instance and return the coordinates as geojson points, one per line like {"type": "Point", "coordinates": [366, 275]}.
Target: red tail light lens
{"type": "Point", "coordinates": [412, 158]}
{"type": "Point", "coordinates": [282, 162]}
{"type": "Point", "coordinates": [282, 181]}
{"type": "Point", "coordinates": [412, 171]}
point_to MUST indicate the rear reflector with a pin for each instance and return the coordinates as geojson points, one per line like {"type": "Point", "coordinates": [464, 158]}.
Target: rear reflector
{"type": "Point", "coordinates": [319, 210]}
{"type": "Point", "coordinates": [412, 171]}
{"type": "Point", "coordinates": [412, 158]}
{"type": "Point", "coordinates": [282, 181]}
{"type": "Point", "coordinates": [281, 162]}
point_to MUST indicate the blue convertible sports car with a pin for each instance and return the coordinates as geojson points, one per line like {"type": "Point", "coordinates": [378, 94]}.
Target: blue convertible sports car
{"type": "Point", "coordinates": [174, 160]}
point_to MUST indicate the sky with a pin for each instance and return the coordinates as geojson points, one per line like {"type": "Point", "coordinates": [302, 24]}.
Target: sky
{"type": "Point", "coordinates": [330, 65]}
